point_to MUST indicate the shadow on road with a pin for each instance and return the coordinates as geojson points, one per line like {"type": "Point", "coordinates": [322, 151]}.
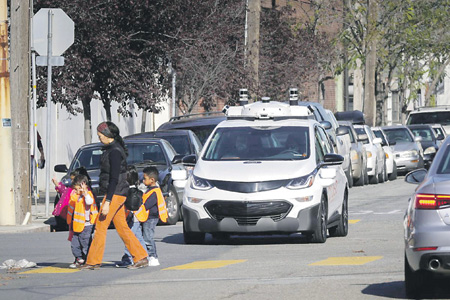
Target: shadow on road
{"type": "Point", "coordinates": [396, 290]}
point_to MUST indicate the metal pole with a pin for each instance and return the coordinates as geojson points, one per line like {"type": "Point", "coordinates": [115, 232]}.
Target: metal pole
{"type": "Point", "coordinates": [174, 90]}
{"type": "Point", "coordinates": [34, 129]}
{"type": "Point", "coordinates": [49, 101]}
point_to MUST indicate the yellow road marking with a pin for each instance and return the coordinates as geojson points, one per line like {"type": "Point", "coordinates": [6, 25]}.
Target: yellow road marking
{"type": "Point", "coordinates": [206, 264]}
{"type": "Point", "coordinates": [353, 221]}
{"type": "Point", "coordinates": [57, 268]}
{"type": "Point", "coordinates": [342, 261]}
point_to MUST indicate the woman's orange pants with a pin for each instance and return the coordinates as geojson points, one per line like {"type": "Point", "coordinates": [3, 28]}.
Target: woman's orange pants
{"type": "Point", "coordinates": [117, 215]}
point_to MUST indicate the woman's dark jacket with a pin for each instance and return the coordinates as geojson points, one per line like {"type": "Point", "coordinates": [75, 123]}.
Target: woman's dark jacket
{"type": "Point", "coordinates": [113, 171]}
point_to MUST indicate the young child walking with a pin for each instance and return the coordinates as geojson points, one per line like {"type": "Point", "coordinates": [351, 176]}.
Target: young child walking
{"type": "Point", "coordinates": [153, 210]}
{"type": "Point", "coordinates": [81, 216]}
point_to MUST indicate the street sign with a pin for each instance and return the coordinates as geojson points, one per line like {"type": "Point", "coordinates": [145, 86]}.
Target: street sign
{"type": "Point", "coordinates": [63, 31]}
{"type": "Point", "coordinates": [56, 61]}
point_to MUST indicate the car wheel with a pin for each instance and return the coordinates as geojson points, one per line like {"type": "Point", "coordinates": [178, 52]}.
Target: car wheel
{"type": "Point", "coordinates": [382, 175]}
{"type": "Point", "coordinates": [366, 176]}
{"type": "Point", "coordinates": [393, 175]}
{"type": "Point", "coordinates": [415, 282]}
{"type": "Point", "coordinates": [350, 176]}
{"type": "Point", "coordinates": [193, 237]}
{"type": "Point", "coordinates": [342, 228]}
{"type": "Point", "coordinates": [173, 206]}
{"type": "Point", "coordinates": [320, 233]}
{"type": "Point", "coordinates": [360, 181]}
{"type": "Point", "coordinates": [374, 179]}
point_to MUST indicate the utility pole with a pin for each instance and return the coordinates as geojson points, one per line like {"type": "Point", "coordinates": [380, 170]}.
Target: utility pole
{"type": "Point", "coordinates": [20, 92]}
{"type": "Point", "coordinates": [7, 211]}
{"type": "Point", "coordinates": [252, 46]}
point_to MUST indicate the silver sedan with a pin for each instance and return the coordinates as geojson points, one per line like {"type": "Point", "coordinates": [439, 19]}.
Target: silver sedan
{"type": "Point", "coordinates": [427, 225]}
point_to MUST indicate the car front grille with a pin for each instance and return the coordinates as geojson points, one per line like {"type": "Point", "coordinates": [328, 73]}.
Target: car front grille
{"type": "Point", "coordinates": [248, 212]}
{"type": "Point", "coordinates": [249, 187]}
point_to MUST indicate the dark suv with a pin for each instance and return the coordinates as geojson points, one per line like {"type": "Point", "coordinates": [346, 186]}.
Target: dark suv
{"type": "Point", "coordinates": [141, 153]}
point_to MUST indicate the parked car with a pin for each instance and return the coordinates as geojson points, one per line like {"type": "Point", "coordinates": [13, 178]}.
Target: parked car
{"type": "Point", "coordinates": [141, 153]}
{"type": "Point", "coordinates": [431, 115]}
{"type": "Point", "coordinates": [358, 156]}
{"type": "Point", "coordinates": [429, 141]}
{"type": "Point", "coordinates": [257, 174]}
{"type": "Point", "coordinates": [407, 149]}
{"type": "Point", "coordinates": [391, 166]}
{"type": "Point", "coordinates": [376, 158]}
{"type": "Point", "coordinates": [201, 124]}
{"type": "Point", "coordinates": [426, 225]}
{"type": "Point", "coordinates": [439, 132]}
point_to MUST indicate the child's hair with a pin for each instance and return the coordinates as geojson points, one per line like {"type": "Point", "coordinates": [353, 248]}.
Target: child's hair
{"type": "Point", "coordinates": [151, 172]}
{"type": "Point", "coordinates": [82, 171]}
{"type": "Point", "coordinates": [79, 179]}
{"type": "Point", "coordinates": [132, 175]}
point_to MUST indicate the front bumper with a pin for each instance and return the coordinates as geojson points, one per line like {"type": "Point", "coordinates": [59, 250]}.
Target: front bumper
{"type": "Point", "coordinates": [407, 163]}
{"type": "Point", "coordinates": [305, 221]}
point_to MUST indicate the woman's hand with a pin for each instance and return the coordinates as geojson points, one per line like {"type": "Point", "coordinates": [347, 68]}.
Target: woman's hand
{"type": "Point", "coordinates": [105, 208]}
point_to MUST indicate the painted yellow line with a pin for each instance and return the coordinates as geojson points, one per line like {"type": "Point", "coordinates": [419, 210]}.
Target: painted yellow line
{"type": "Point", "coordinates": [353, 221]}
{"type": "Point", "coordinates": [343, 261]}
{"type": "Point", "coordinates": [58, 268]}
{"type": "Point", "coordinates": [206, 264]}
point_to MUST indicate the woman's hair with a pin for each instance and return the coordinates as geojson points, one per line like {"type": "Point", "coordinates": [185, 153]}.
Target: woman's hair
{"type": "Point", "coordinates": [132, 175]}
{"type": "Point", "coordinates": [109, 129]}
{"type": "Point", "coordinates": [81, 171]}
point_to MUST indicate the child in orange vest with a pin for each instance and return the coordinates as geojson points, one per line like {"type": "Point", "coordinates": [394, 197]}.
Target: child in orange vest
{"type": "Point", "coordinates": [81, 216]}
{"type": "Point", "coordinates": [154, 209]}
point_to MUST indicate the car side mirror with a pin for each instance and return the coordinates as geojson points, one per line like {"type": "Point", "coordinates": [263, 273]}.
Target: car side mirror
{"type": "Point", "coordinates": [362, 137]}
{"type": "Point", "coordinates": [189, 160]}
{"type": "Point", "coordinates": [417, 139]}
{"type": "Point", "coordinates": [60, 168]}
{"type": "Point", "coordinates": [393, 143]}
{"type": "Point", "coordinates": [440, 137]}
{"type": "Point", "coordinates": [326, 124]}
{"type": "Point", "coordinates": [332, 159]}
{"type": "Point", "coordinates": [377, 140]}
{"type": "Point", "coordinates": [416, 176]}
{"type": "Point", "coordinates": [341, 130]}
{"type": "Point", "coordinates": [177, 159]}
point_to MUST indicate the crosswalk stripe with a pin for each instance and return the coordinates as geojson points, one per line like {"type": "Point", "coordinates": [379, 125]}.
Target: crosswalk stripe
{"type": "Point", "coordinates": [343, 261]}
{"type": "Point", "coordinates": [206, 264]}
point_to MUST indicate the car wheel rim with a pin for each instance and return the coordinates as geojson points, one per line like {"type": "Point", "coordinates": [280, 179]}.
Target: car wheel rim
{"type": "Point", "coordinates": [171, 205]}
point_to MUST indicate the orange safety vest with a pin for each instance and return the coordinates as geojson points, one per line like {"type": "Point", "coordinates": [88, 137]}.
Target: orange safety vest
{"type": "Point", "coordinates": [142, 214]}
{"type": "Point", "coordinates": [77, 210]}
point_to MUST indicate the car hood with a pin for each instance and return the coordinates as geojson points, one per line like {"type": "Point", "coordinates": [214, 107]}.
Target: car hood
{"type": "Point", "coordinates": [252, 171]}
{"type": "Point", "coordinates": [400, 147]}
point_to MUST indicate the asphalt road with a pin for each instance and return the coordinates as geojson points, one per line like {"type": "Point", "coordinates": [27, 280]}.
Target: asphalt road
{"type": "Point", "coordinates": [367, 264]}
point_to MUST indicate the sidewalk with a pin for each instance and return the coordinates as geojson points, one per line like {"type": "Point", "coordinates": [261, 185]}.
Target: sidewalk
{"type": "Point", "coordinates": [38, 223]}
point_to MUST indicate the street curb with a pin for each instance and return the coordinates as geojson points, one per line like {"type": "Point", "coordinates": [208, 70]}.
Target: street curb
{"type": "Point", "coordinates": [11, 229]}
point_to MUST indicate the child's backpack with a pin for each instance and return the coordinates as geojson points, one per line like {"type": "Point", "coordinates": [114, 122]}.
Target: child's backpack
{"type": "Point", "coordinates": [134, 198]}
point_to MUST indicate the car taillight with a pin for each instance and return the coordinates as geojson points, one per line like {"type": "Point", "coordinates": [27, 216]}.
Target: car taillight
{"type": "Point", "coordinates": [430, 201]}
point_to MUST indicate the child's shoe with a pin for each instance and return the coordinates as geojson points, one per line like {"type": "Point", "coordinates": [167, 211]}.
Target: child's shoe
{"type": "Point", "coordinates": [153, 262]}
{"type": "Point", "coordinates": [77, 263]}
{"type": "Point", "coordinates": [124, 264]}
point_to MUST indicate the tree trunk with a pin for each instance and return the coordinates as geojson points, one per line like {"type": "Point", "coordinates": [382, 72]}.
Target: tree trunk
{"type": "Point", "coordinates": [87, 120]}
{"type": "Point", "coordinates": [358, 87]}
{"type": "Point", "coordinates": [254, 12]}
{"type": "Point", "coordinates": [107, 106]}
{"type": "Point", "coordinates": [435, 81]}
{"type": "Point", "coordinates": [144, 120]}
{"type": "Point", "coordinates": [371, 60]}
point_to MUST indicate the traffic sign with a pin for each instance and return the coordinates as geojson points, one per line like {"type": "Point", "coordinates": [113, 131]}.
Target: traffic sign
{"type": "Point", "coordinates": [63, 31]}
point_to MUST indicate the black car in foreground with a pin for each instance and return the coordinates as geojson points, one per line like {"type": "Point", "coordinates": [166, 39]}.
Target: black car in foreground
{"type": "Point", "coordinates": [429, 141]}
{"type": "Point", "coordinates": [142, 152]}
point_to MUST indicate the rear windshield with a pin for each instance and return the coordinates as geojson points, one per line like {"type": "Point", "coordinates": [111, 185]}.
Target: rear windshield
{"type": "Point", "coordinates": [425, 133]}
{"type": "Point", "coordinates": [398, 135]}
{"type": "Point", "coordinates": [359, 131]}
{"type": "Point", "coordinates": [179, 142]}
{"type": "Point", "coordinates": [259, 143]}
{"type": "Point", "coordinates": [437, 117]}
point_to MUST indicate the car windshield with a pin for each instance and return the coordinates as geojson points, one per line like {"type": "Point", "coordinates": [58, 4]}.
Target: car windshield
{"type": "Point", "coordinates": [380, 135]}
{"type": "Point", "coordinates": [259, 143]}
{"type": "Point", "coordinates": [88, 158]}
{"type": "Point", "coordinates": [399, 135]}
{"type": "Point", "coordinates": [350, 133]}
{"type": "Point", "coordinates": [424, 133]}
{"type": "Point", "coordinates": [179, 142]}
{"type": "Point", "coordinates": [444, 165]}
{"type": "Point", "coordinates": [437, 117]}
{"type": "Point", "coordinates": [360, 130]}
{"type": "Point", "coordinates": [438, 131]}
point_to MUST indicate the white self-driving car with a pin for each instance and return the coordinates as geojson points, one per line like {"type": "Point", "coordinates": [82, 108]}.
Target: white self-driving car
{"type": "Point", "coordinates": [269, 168]}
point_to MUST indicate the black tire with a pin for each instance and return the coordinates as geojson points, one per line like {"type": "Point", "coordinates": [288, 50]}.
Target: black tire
{"type": "Point", "coordinates": [415, 282]}
{"type": "Point", "coordinates": [342, 228]}
{"type": "Point", "coordinates": [393, 175]}
{"type": "Point", "coordinates": [366, 176]}
{"type": "Point", "coordinates": [173, 206]}
{"type": "Point", "coordinates": [360, 180]}
{"type": "Point", "coordinates": [192, 238]}
{"type": "Point", "coordinates": [382, 175]}
{"type": "Point", "coordinates": [350, 176]}
{"type": "Point", "coordinates": [320, 233]}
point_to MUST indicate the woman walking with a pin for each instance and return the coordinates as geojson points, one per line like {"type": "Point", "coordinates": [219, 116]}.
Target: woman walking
{"type": "Point", "coordinates": [112, 181]}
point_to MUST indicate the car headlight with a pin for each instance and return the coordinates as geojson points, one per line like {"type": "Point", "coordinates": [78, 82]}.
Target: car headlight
{"type": "Point", "coordinates": [369, 154]}
{"type": "Point", "coordinates": [301, 182]}
{"type": "Point", "coordinates": [430, 150]}
{"type": "Point", "coordinates": [387, 155]}
{"type": "Point", "coordinates": [198, 183]}
{"type": "Point", "coordinates": [355, 155]}
{"type": "Point", "coordinates": [410, 153]}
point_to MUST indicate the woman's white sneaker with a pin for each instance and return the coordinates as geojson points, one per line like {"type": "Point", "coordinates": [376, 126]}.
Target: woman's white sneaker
{"type": "Point", "coordinates": [153, 262]}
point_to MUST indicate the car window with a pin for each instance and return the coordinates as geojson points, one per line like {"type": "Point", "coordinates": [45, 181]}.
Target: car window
{"type": "Point", "coordinates": [259, 143]}
{"type": "Point", "coordinates": [380, 135]}
{"type": "Point", "coordinates": [400, 135]}
{"type": "Point", "coordinates": [146, 152]}
{"type": "Point", "coordinates": [424, 133]}
{"type": "Point", "coordinates": [319, 148]}
{"type": "Point", "coordinates": [444, 166]}
{"type": "Point", "coordinates": [197, 143]}
{"type": "Point", "coordinates": [350, 134]}
{"type": "Point", "coordinates": [436, 117]}
{"type": "Point", "coordinates": [325, 141]}
{"type": "Point", "coordinates": [179, 142]}
{"type": "Point", "coordinates": [88, 158]}
{"type": "Point", "coordinates": [438, 131]}
{"type": "Point", "coordinates": [360, 130]}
